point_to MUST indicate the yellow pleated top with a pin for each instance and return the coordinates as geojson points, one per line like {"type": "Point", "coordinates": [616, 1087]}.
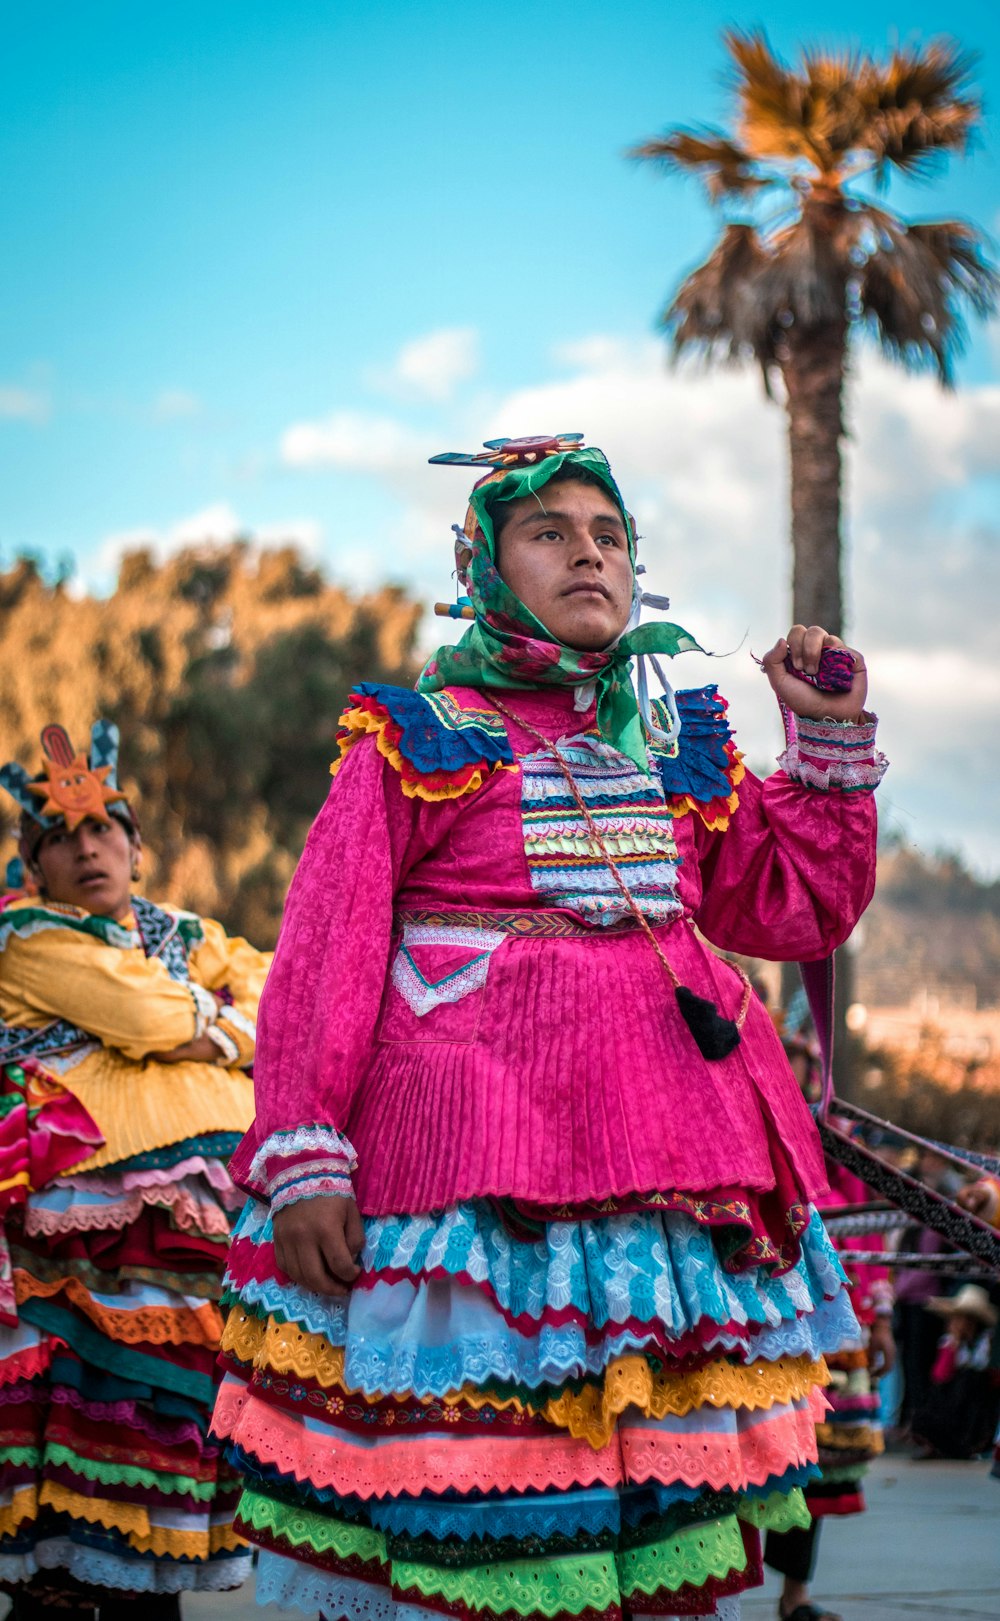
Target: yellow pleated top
{"type": "Point", "coordinates": [130, 1004]}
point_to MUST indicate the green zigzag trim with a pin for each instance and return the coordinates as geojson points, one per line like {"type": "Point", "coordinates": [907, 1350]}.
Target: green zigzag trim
{"type": "Point", "coordinates": [29, 920]}
{"type": "Point", "coordinates": [527, 1587]}
{"type": "Point", "coordinates": [778, 1511]}
{"type": "Point", "coordinates": [303, 1528]}
{"type": "Point", "coordinates": [695, 1554]}
{"type": "Point", "coordinates": [127, 1474]}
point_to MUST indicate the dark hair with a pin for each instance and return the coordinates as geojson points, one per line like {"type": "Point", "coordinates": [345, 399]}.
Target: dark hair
{"type": "Point", "coordinates": [31, 832]}
{"type": "Point", "coordinates": [500, 510]}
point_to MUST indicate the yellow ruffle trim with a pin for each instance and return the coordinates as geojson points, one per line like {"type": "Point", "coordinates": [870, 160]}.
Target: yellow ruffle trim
{"type": "Point", "coordinates": [283, 1348]}
{"type": "Point", "coordinates": [133, 1521]}
{"type": "Point", "coordinates": [590, 1414]}
{"type": "Point", "coordinates": [851, 1438]}
{"type": "Point", "coordinates": [360, 723]}
{"type": "Point", "coordinates": [165, 1103]}
{"type": "Point", "coordinates": [22, 1508]}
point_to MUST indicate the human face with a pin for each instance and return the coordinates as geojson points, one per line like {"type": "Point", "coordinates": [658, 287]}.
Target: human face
{"type": "Point", "coordinates": [564, 552]}
{"type": "Point", "coordinates": [90, 868]}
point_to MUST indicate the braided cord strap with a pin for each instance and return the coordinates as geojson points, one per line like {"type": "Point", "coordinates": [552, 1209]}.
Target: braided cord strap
{"type": "Point", "coordinates": [931, 1209]}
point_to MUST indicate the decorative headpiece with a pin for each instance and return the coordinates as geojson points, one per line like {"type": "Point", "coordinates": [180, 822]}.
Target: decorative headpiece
{"type": "Point", "coordinates": [514, 465]}
{"type": "Point", "coordinates": [507, 453]}
{"type": "Point", "coordinates": [72, 787]}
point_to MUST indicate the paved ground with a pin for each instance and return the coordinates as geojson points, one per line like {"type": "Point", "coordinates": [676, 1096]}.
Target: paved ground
{"type": "Point", "coordinates": [928, 1547]}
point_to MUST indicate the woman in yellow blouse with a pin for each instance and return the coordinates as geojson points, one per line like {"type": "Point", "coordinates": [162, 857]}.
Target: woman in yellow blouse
{"type": "Point", "coordinates": [127, 1031]}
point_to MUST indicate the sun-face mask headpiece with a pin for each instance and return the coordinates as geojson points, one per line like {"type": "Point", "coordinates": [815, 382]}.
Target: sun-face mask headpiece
{"type": "Point", "coordinates": [72, 787]}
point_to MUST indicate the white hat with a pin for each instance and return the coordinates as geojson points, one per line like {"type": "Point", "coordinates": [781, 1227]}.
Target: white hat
{"type": "Point", "coordinates": [971, 1299]}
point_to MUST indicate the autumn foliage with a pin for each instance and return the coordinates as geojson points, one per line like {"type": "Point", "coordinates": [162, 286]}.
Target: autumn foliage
{"type": "Point", "coordinates": [226, 669]}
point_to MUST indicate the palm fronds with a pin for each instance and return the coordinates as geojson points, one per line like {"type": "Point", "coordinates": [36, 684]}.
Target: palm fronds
{"type": "Point", "coordinates": [715, 309]}
{"type": "Point", "coordinates": [773, 118]}
{"type": "Point", "coordinates": [921, 106]}
{"type": "Point", "coordinates": [834, 258]}
{"type": "Point", "coordinates": [724, 167]}
{"type": "Point", "coordinates": [915, 284]}
{"type": "Point", "coordinates": [833, 114]}
{"type": "Point", "coordinates": [908, 283]}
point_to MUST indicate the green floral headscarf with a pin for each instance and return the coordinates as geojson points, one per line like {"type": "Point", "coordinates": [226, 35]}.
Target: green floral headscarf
{"type": "Point", "coordinates": [506, 646]}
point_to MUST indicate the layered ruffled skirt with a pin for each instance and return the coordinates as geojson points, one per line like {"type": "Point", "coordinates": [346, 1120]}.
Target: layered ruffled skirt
{"type": "Point", "coordinates": [587, 1419]}
{"type": "Point", "coordinates": [849, 1438]}
{"type": "Point", "coordinates": [108, 1477]}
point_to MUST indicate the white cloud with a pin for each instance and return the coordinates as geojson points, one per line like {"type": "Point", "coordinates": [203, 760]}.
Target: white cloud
{"type": "Point", "coordinates": [21, 404]}
{"type": "Point", "coordinates": [915, 441]}
{"type": "Point", "coordinates": [430, 367]}
{"type": "Point", "coordinates": [174, 403]}
{"type": "Point", "coordinates": [354, 441]}
{"type": "Point", "coordinates": [702, 460]}
{"type": "Point", "coordinates": [216, 524]}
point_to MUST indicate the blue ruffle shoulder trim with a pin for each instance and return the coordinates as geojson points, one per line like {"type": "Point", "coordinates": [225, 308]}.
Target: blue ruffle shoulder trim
{"type": "Point", "coordinates": [704, 773]}
{"type": "Point", "coordinates": [439, 748]}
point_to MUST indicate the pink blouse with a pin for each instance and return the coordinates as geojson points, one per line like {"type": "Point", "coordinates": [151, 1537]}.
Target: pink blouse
{"type": "Point", "coordinates": [465, 1062]}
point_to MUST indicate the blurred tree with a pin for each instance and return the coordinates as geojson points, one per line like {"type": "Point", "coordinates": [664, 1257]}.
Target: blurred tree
{"type": "Point", "coordinates": [226, 669]}
{"type": "Point", "coordinates": [806, 258]}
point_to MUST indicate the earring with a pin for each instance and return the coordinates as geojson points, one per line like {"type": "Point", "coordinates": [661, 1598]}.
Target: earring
{"type": "Point", "coordinates": [135, 871]}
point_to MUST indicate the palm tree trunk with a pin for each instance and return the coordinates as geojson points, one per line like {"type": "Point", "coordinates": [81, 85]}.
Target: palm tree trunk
{"type": "Point", "coordinates": [812, 365]}
{"type": "Point", "coordinates": [813, 369]}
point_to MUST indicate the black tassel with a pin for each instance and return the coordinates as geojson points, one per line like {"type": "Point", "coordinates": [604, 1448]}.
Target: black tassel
{"type": "Point", "coordinates": [715, 1035]}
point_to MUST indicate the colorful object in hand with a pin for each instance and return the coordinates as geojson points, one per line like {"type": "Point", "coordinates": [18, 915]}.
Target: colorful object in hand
{"type": "Point", "coordinates": [72, 788]}
{"type": "Point", "coordinates": [835, 673]}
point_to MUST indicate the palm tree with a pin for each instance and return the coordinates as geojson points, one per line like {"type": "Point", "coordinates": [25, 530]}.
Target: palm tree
{"type": "Point", "coordinates": [806, 258]}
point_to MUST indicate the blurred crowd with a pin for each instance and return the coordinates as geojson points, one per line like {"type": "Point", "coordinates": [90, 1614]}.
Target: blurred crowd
{"type": "Point", "coordinates": [939, 1385]}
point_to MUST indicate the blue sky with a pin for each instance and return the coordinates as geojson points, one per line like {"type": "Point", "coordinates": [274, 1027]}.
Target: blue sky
{"type": "Point", "coordinates": [258, 261]}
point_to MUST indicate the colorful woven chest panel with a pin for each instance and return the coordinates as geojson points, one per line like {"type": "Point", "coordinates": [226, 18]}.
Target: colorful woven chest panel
{"type": "Point", "coordinates": [566, 866]}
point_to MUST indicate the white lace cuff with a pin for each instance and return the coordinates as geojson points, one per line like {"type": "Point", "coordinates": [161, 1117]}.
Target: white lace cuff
{"type": "Point", "coordinates": [240, 1032]}
{"type": "Point", "coordinates": [225, 1043]}
{"type": "Point", "coordinates": [307, 1162]}
{"type": "Point", "coordinates": [832, 755]}
{"type": "Point", "coordinates": [205, 1008]}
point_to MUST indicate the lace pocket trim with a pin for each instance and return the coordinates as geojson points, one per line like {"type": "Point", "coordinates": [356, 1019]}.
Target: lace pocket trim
{"type": "Point", "coordinates": [421, 993]}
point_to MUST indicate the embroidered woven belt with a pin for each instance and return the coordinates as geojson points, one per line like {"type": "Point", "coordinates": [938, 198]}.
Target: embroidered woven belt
{"type": "Point", "coordinates": [527, 925]}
